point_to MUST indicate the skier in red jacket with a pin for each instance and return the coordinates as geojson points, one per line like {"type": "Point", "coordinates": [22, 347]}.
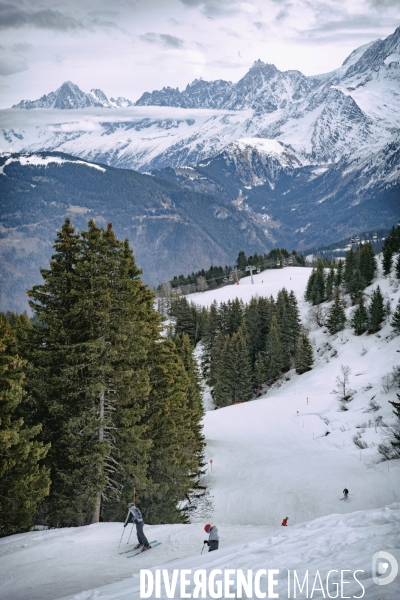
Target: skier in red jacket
{"type": "Point", "coordinates": [284, 522]}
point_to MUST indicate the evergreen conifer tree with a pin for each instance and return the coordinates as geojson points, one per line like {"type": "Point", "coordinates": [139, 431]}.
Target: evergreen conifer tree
{"type": "Point", "coordinates": [252, 320]}
{"type": "Point", "coordinates": [241, 262]}
{"type": "Point", "coordinates": [359, 320]}
{"type": "Point", "coordinates": [294, 322]}
{"type": "Point", "coordinates": [235, 315]}
{"type": "Point", "coordinates": [211, 323]}
{"type": "Point", "coordinates": [216, 361]}
{"type": "Point", "coordinates": [235, 380]}
{"type": "Point", "coordinates": [387, 258]}
{"type": "Point", "coordinates": [395, 322]}
{"type": "Point", "coordinates": [392, 451]}
{"type": "Point", "coordinates": [260, 373]}
{"type": "Point", "coordinates": [317, 294]}
{"type": "Point", "coordinates": [367, 262]}
{"type": "Point", "coordinates": [274, 351]}
{"type": "Point", "coordinates": [172, 430]}
{"type": "Point", "coordinates": [284, 323]}
{"type": "Point", "coordinates": [194, 398]}
{"type": "Point", "coordinates": [376, 311]}
{"type": "Point", "coordinates": [336, 317]}
{"type": "Point", "coordinates": [309, 286]}
{"type": "Point", "coordinates": [390, 247]}
{"type": "Point", "coordinates": [356, 285]}
{"type": "Point", "coordinates": [23, 482]}
{"type": "Point", "coordinates": [99, 326]}
{"type": "Point", "coordinates": [266, 308]}
{"type": "Point", "coordinates": [304, 354]}
{"type": "Point", "coordinates": [350, 266]}
{"type": "Point", "coordinates": [187, 319]}
{"type": "Point", "coordinates": [330, 280]}
{"type": "Point", "coordinates": [339, 275]}
{"type": "Point", "coordinates": [397, 267]}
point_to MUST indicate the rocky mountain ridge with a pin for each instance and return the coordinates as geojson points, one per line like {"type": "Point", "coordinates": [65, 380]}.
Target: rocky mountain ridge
{"type": "Point", "coordinates": [69, 96]}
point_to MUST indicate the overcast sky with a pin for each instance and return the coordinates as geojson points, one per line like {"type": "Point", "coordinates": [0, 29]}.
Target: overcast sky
{"type": "Point", "coordinates": [127, 47]}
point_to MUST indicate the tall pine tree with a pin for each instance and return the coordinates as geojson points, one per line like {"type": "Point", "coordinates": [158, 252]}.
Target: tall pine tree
{"type": "Point", "coordinates": [359, 320]}
{"type": "Point", "coordinates": [94, 349]}
{"type": "Point", "coordinates": [23, 481]}
{"type": "Point", "coordinates": [395, 322]}
{"type": "Point", "coordinates": [336, 317]}
{"type": "Point", "coordinates": [376, 311]}
{"type": "Point", "coordinates": [304, 355]}
{"type": "Point", "coordinates": [172, 429]}
{"type": "Point", "coordinates": [274, 351]}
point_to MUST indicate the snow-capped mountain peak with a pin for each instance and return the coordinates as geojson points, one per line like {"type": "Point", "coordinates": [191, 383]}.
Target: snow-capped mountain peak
{"type": "Point", "coordinates": [70, 96]}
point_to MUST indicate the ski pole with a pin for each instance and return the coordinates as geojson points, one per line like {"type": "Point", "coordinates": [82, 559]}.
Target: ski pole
{"type": "Point", "coordinates": [130, 534]}
{"type": "Point", "coordinates": [202, 549]}
{"type": "Point", "coordinates": [123, 531]}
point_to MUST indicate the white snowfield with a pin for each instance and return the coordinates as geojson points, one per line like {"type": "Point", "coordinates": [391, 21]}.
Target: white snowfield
{"type": "Point", "coordinates": [44, 161]}
{"type": "Point", "coordinates": [274, 457]}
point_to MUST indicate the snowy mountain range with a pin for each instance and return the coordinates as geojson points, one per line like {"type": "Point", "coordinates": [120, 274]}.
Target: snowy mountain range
{"type": "Point", "coordinates": [352, 110]}
{"type": "Point", "coordinates": [69, 96]}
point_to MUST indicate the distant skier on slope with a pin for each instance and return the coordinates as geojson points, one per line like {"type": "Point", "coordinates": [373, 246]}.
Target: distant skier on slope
{"type": "Point", "coordinates": [136, 516]}
{"type": "Point", "coordinates": [213, 537]}
{"type": "Point", "coordinates": [345, 494]}
{"type": "Point", "coordinates": [284, 522]}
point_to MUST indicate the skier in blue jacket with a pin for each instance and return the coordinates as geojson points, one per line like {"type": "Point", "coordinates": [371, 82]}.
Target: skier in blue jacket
{"type": "Point", "coordinates": [136, 516]}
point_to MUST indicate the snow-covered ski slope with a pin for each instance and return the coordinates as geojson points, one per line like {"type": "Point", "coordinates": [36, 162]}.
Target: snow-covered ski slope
{"type": "Point", "coordinates": [272, 458]}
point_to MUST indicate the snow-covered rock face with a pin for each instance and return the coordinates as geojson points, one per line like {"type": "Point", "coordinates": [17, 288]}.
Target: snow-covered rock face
{"type": "Point", "coordinates": [258, 161]}
{"type": "Point", "coordinates": [264, 89]}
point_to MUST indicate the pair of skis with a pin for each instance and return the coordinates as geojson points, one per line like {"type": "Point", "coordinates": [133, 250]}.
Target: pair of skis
{"type": "Point", "coordinates": [153, 544]}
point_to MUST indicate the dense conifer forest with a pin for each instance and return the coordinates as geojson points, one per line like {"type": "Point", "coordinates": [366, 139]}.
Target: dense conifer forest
{"type": "Point", "coordinates": [98, 405]}
{"type": "Point", "coordinates": [245, 346]}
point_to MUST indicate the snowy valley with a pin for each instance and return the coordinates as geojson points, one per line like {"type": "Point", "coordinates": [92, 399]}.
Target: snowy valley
{"type": "Point", "coordinates": [289, 452]}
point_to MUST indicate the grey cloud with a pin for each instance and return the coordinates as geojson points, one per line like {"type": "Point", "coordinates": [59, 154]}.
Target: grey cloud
{"type": "Point", "coordinates": [214, 8]}
{"type": "Point", "coordinates": [22, 47]}
{"type": "Point", "coordinates": [383, 3]}
{"type": "Point", "coordinates": [258, 24]}
{"type": "Point", "coordinates": [9, 66]}
{"type": "Point", "coordinates": [164, 39]}
{"type": "Point", "coordinates": [13, 59]}
{"type": "Point", "coordinates": [15, 17]}
{"type": "Point", "coordinates": [281, 16]}
{"type": "Point", "coordinates": [351, 23]}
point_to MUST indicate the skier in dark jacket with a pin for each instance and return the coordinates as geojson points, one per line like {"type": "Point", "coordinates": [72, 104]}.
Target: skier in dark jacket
{"type": "Point", "coordinates": [136, 516]}
{"type": "Point", "coordinates": [213, 538]}
{"type": "Point", "coordinates": [345, 493]}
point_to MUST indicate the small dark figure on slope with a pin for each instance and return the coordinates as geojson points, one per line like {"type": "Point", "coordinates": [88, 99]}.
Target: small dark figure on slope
{"type": "Point", "coordinates": [136, 516]}
{"type": "Point", "coordinates": [213, 538]}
